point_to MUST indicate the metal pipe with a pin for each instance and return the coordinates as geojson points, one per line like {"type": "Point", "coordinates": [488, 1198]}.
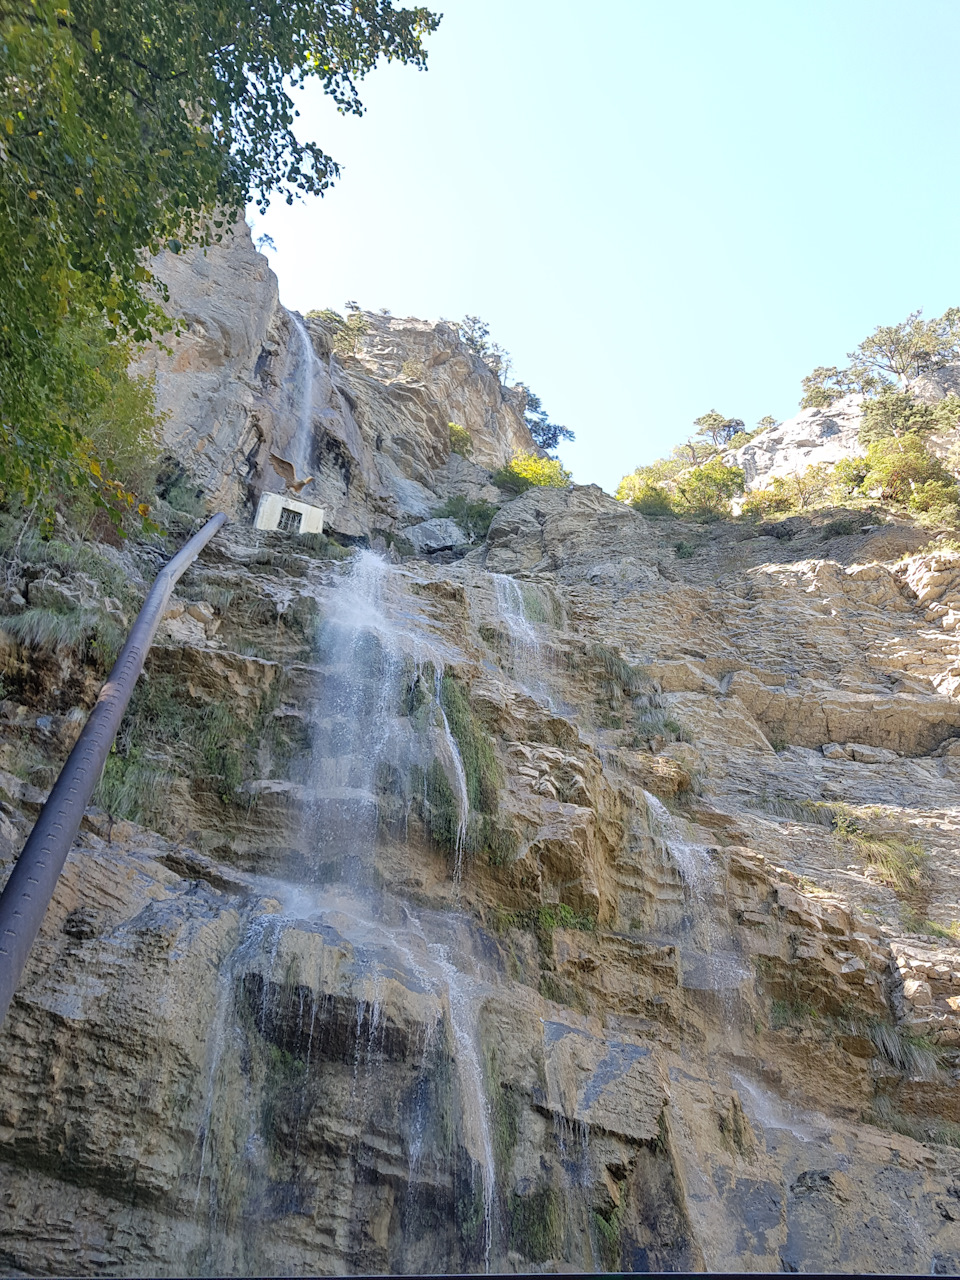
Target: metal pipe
{"type": "Point", "coordinates": [27, 894]}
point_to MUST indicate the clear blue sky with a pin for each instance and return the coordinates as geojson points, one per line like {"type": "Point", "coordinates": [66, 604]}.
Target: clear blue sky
{"type": "Point", "coordinates": [658, 208]}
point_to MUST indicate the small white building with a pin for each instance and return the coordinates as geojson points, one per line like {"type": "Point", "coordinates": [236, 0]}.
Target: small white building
{"type": "Point", "coordinates": [280, 511]}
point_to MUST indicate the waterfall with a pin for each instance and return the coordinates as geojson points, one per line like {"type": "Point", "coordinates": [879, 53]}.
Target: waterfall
{"type": "Point", "coordinates": [529, 655]}
{"type": "Point", "coordinates": [300, 398]}
{"type": "Point", "coordinates": [374, 653]}
{"type": "Point", "coordinates": [709, 956]}
{"type": "Point", "coordinates": [341, 1004]}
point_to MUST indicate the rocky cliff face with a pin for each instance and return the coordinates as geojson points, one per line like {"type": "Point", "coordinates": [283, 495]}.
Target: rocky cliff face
{"type": "Point", "coordinates": [825, 436]}
{"type": "Point", "coordinates": [571, 902]}
{"type": "Point", "coordinates": [245, 378]}
{"type": "Point", "coordinates": [813, 437]}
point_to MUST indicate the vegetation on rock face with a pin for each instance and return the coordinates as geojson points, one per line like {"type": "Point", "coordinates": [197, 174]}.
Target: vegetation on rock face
{"type": "Point", "coordinates": [528, 471]}
{"type": "Point", "coordinates": [897, 413]}
{"type": "Point", "coordinates": [476, 334]}
{"type": "Point", "coordinates": [707, 490]}
{"type": "Point", "coordinates": [460, 440]}
{"type": "Point", "coordinates": [891, 356]}
{"type": "Point", "coordinates": [127, 129]}
{"type": "Point", "coordinates": [693, 468]}
{"type": "Point", "coordinates": [474, 518]}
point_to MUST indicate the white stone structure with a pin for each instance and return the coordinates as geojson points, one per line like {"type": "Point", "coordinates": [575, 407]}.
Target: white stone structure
{"type": "Point", "coordinates": [277, 511]}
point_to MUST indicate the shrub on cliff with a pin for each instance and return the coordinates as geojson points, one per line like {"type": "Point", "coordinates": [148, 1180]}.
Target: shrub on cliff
{"type": "Point", "coordinates": [528, 470]}
{"type": "Point", "coordinates": [652, 500]}
{"type": "Point", "coordinates": [460, 440]}
{"type": "Point", "coordinates": [706, 491]}
{"type": "Point", "coordinates": [900, 469]}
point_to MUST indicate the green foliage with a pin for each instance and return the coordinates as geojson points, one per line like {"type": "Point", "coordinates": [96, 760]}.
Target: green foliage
{"type": "Point", "coordinates": [889, 357]}
{"type": "Point", "coordinates": [707, 490]}
{"type": "Point", "coordinates": [826, 384]}
{"type": "Point", "coordinates": [840, 527]}
{"type": "Point", "coordinates": [474, 518]}
{"type": "Point", "coordinates": [607, 1228]}
{"type": "Point", "coordinates": [178, 490]}
{"type": "Point", "coordinates": [326, 315]}
{"type": "Point", "coordinates": [790, 1013]}
{"type": "Point", "coordinates": [898, 466]}
{"type": "Point", "coordinates": [684, 550]}
{"type": "Point", "coordinates": [651, 499]}
{"type": "Point", "coordinates": [915, 1056]}
{"type": "Point", "coordinates": [902, 864]}
{"type": "Point", "coordinates": [127, 129]}
{"type": "Point", "coordinates": [795, 492]}
{"type": "Point", "coordinates": [546, 434]}
{"type": "Point", "coordinates": [84, 631]}
{"type": "Point", "coordinates": [442, 813]}
{"type": "Point", "coordinates": [348, 338]}
{"type": "Point", "coordinates": [535, 1227]}
{"type": "Point", "coordinates": [163, 735]}
{"type": "Point", "coordinates": [460, 439]}
{"type": "Point", "coordinates": [480, 764]}
{"type": "Point", "coordinates": [542, 920]}
{"type": "Point", "coordinates": [773, 499]}
{"type": "Point", "coordinates": [475, 334]}
{"type": "Point", "coordinates": [653, 476]}
{"type": "Point", "coordinates": [949, 932]}
{"type": "Point", "coordinates": [620, 675]}
{"type": "Point", "coordinates": [718, 429]}
{"type": "Point", "coordinates": [895, 413]}
{"type": "Point", "coordinates": [849, 475]}
{"type": "Point", "coordinates": [528, 470]}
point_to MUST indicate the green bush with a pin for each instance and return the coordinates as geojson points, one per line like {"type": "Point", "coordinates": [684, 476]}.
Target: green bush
{"type": "Point", "coordinates": [652, 500]}
{"type": "Point", "coordinates": [773, 500]}
{"type": "Point", "coordinates": [897, 413]}
{"type": "Point", "coordinates": [898, 466]}
{"type": "Point", "coordinates": [474, 518]}
{"type": "Point", "coordinates": [707, 490]}
{"type": "Point", "coordinates": [841, 527]}
{"type": "Point", "coordinates": [528, 471]}
{"type": "Point", "coordinates": [460, 440]}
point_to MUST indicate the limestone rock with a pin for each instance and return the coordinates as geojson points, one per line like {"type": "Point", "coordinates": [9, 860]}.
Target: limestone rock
{"type": "Point", "coordinates": [435, 535]}
{"type": "Point", "coordinates": [814, 436]}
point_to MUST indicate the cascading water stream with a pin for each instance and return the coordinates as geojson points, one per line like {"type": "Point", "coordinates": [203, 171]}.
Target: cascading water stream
{"type": "Point", "coordinates": [301, 401]}
{"type": "Point", "coordinates": [528, 653]}
{"type": "Point", "coordinates": [319, 988]}
{"type": "Point", "coordinates": [709, 960]}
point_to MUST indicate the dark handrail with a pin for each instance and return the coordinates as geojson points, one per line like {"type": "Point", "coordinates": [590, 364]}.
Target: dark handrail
{"type": "Point", "coordinates": [27, 895]}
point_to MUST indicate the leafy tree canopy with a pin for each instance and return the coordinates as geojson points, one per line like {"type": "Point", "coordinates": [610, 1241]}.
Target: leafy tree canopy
{"type": "Point", "coordinates": [546, 434]}
{"type": "Point", "coordinates": [890, 357]}
{"type": "Point", "coordinates": [896, 413]}
{"type": "Point", "coordinates": [897, 466]}
{"type": "Point", "coordinates": [127, 127]}
{"type": "Point", "coordinates": [707, 490]}
{"type": "Point", "coordinates": [717, 428]}
{"type": "Point", "coordinates": [475, 333]}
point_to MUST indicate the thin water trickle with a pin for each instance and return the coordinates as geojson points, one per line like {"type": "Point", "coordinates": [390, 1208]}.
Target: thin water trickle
{"type": "Point", "coordinates": [301, 446]}
{"type": "Point", "coordinates": [709, 958]}
{"type": "Point", "coordinates": [528, 653]}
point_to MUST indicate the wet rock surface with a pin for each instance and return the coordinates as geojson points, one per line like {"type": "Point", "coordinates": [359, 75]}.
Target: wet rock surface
{"type": "Point", "coordinates": [666, 1007]}
{"type": "Point", "coordinates": [567, 903]}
